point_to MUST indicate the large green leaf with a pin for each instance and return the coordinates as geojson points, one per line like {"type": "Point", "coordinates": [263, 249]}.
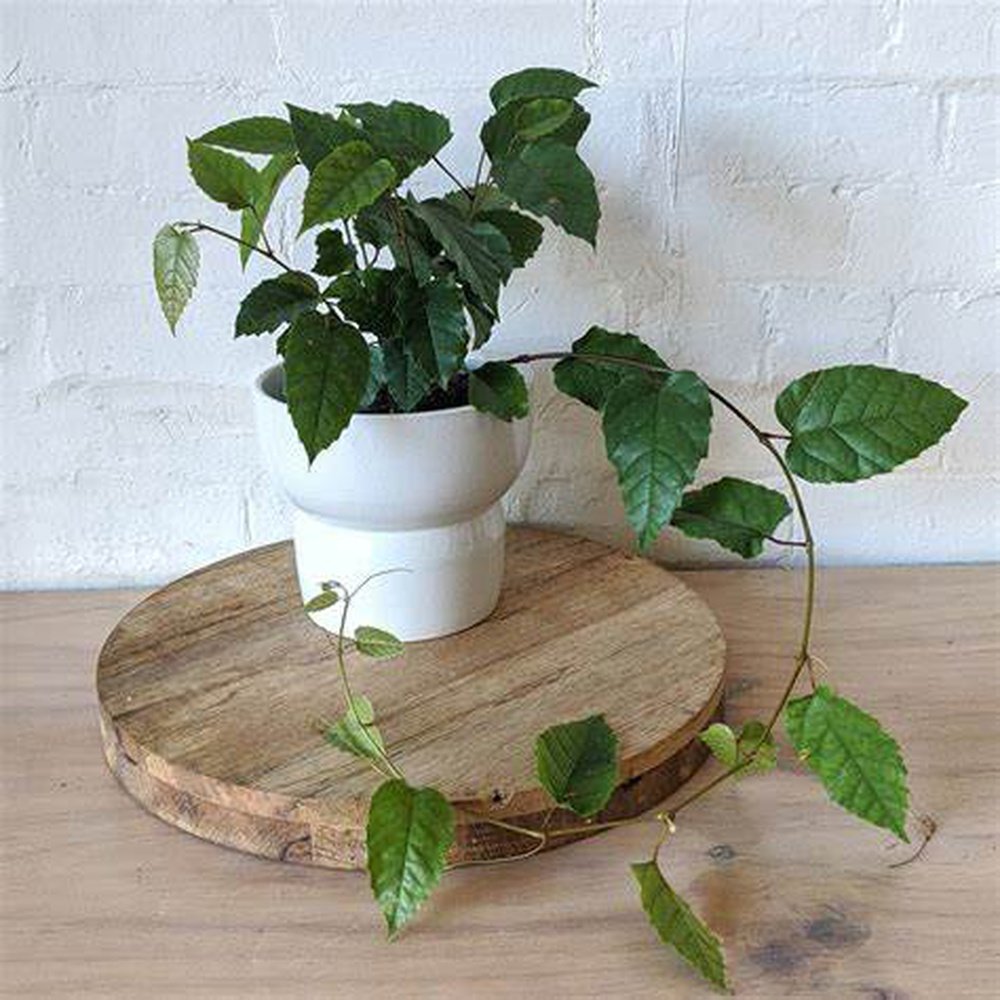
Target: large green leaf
{"type": "Point", "coordinates": [537, 82]}
{"type": "Point", "coordinates": [737, 514]}
{"type": "Point", "coordinates": [405, 377]}
{"type": "Point", "coordinates": [577, 764]}
{"type": "Point", "coordinates": [276, 301]}
{"type": "Point", "coordinates": [549, 178]}
{"type": "Point", "coordinates": [409, 833]}
{"type": "Point", "coordinates": [348, 179]}
{"type": "Point", "coordinates": [498, 388]}
{"type": "Point", "coordinates": [523, 233]}
{"type": "Point", "coordinates": [656, 433]}
{"type": "Point", "coordinates": [252, 219]}
{"type": "Point", "coordinates": [356, 733]}
{"type": "Point", "coordinates": [856, 759]}
{"type": "Point", "coordinates": [856, 421]}
{"type": "Point", "coordinates": [326, 371]}
{"type": "Point", "coordinates": [407, 134]}
{"type": "Point", "coordinates": [542, 116]}
{"type": "Point", "coordinates": [317, 133]}
{"type": "Point", "coordinates": [333, 253]}
{"type": "Point", "coordinates": [433, 321]}
{"type": "Point", "coordinates": [591, 381]}
{"type": "Point", "coordinates": [253, 135]}
{"type": "Point", "coordinates": [175, 270]}
{"type": "Point", "coordinates": [478, 249]}
{"type": "Point", "coordinates": [678, 926]}
{"type": "Point", "coordinates": [377, 643]}
{"type": "Point", "coordinates": [223, 177]}
{"type": "Point", "coordinates": [509, 129]}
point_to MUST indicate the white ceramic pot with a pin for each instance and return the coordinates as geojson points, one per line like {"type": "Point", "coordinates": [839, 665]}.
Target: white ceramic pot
{"type": "Point", "coordinates": [418, 492]}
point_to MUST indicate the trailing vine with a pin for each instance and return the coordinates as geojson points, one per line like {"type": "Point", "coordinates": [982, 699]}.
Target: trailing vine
{"type": "Point", "coordinates": [360, 332]}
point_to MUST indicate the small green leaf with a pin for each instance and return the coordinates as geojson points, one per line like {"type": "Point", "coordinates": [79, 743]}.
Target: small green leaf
{"type": "Point", "coordinates": [855, 421]}
{"type": "Point", "coordinates": [326, 371]}
{"type": "Point", "coordinates": [323, 600]}
{"type": "Point", "coordinates": [317, 134]}
{"type": "Point", "coordinates": [857, 761]}
{"type": "Point", "coordinates": [537, 82]}
{"type": "Point", "coordinates": [252, 219]}
{"type": "Point", "coordinates": [409, 833]}
{"type": "Point", "coordinates": [175, 270]}
{"type": "Point", "coordinates": [223, 177]}
{"type": "Point", "coordinates": [333, 254]}
{"type": "Point", "coordinates": [276, 301]}
{"type": "Point", "coordinates": [721, 740]}
{"type": "Point", "coordinates": [405, 377]}
{"type": "Point", "coordinates": [577, 764]}
{"type": "Point", "coordinates": [540, 117]}
{"type": "Point", "coordinates": [591, 381]}
{"type": "Point", "coordinates": [498, 388]}
{"type": "Point", "coordinates": [656, 433]}
{"type": "Point", "coordinates": [406, 134]}
{"type": "Point", "coordinates": [481, 316]}
{"type": "Point", "coordinates": [478, 249]}
{"type": "Point", "coordinates": [523, 233]}
{"type": "Point", "coordinates": [755, 741]}
{"type": "Point", "coordinates": [549, 178]}
{"type": "Point", "coordinates": [253, 135]}
{"type": "Point", "coordinates": [678, 926]}
{"type": "Point", "coordinates": [737, 514]}
{"type": "Point", "coordinates": [346, 180]}
{"type": "Point", "coordinates": [377, 642]}
{"type": "Point", "coordinates": [356, 733]}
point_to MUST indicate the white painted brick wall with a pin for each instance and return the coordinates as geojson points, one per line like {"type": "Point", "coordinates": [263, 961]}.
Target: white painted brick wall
{"type": "Point", "coordinates": [785, 185]}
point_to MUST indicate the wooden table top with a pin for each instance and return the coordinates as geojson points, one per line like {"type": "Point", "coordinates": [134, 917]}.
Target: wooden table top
{"type": "Point", "coordinates": [99, 899]}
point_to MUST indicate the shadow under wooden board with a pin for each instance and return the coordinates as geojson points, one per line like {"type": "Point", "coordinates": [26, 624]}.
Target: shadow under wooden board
{"type": "Point", "coordinates": [211, 691]}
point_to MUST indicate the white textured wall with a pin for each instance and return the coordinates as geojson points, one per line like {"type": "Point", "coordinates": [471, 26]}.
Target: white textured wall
{"type": "Point", "coordinates": [784, 185]}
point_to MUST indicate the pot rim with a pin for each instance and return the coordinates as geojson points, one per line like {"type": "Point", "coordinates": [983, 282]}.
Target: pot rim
{"type": "Point", "coordinates": [259, 380]}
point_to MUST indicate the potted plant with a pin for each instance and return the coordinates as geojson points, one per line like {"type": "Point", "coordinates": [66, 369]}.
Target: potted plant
{"type": "Point", "coordinates": [392, 443]}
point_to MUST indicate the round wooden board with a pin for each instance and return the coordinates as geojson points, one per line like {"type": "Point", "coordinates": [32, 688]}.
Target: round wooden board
{"type": "Point", "coordinates": [211, 690]}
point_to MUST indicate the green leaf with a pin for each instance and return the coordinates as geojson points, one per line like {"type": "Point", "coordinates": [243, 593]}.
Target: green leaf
{"type": "Point", "coordinates": [408, 239]}
{"type": "Point", "coordinates": [855, 421]}
{"type": "Point", "coordinates": [478, 249]}
{"type": "Point", "coordinates": [405, 377]}
{"type": "Point", "coordinates": [323, 600]}
{"type": "Point", "coordinates": [317, 134]}
{"type": "Point", "coordinates": [721, 740]}
{"type": "Point", "coordinates": [577, 764]}
{"type": "Point", "coordinates": [498, 388]}
{"type": "Point", "coordinates": [537, 82]}
{"type": "Point", "coordinates": [344, 181]}
{"type": "Point", "coordinates": [656, 433]}
{"type": "Point", "coordinates": [677, 926]}
{"type": "Point", "coordinates": [857, 761]}
{"type": "Point", "coordinates": [175, 270]}
{"type": "Point", "coordinates": [482, 317]}
{"type": "Point", "coordinates": [223, 177]}
{"type": "Point", "coordinates": [376, 377]}
{"type": "Point", "coordinates": [407, 134]}
{"type": "Point", "coordinates": [550, 179]}
{"type": "Point", "coordinates": [591, 382]}
{"type": "Point", "coordinates": [571, 132]}
{"type": "Point", "coordinates": [435, 327]}
{"type": "Point", "coordinates": [253, 135]}
{"type": "Point", "coordinates": [333, 254]}
{"type": "Point", "coordinates": [409, 833]}
{"type": "Point", "coordinates": [523, 234]}
{"type": "Point", "coordinates": [737, 514]}
{"type": "Point", "coordinates": [276, 301]}
{"type": "Point", "coordinates": [326, 371]}
{"type": "Point", "coordinates": [356, 733]}
{"type": "Point", "coordinates": [252, 219]}
{"type": "Point", "coordinates": [538, 118]}
{"type": "Point", "coordinates": [376, 642]}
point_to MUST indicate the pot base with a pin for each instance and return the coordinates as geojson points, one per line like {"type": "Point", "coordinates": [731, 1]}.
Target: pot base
{"type": "Point", "coordinates": [445, 579]}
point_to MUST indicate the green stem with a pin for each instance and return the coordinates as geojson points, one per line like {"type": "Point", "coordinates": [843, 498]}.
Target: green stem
{"type": "Point", "coordinates": [198, 227]}
{"type": "Point", "coordinates": [468, 193]}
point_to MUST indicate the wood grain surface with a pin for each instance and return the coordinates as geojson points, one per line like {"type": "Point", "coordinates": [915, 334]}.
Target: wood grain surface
{"type": "Point", "coordinates": [99, 899]}
{"type": "Point", "coordinates": [211, 688]}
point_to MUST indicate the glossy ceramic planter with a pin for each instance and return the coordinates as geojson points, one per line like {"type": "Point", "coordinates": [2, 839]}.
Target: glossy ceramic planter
{"type": "Point", "coordinates": [416, 492]}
